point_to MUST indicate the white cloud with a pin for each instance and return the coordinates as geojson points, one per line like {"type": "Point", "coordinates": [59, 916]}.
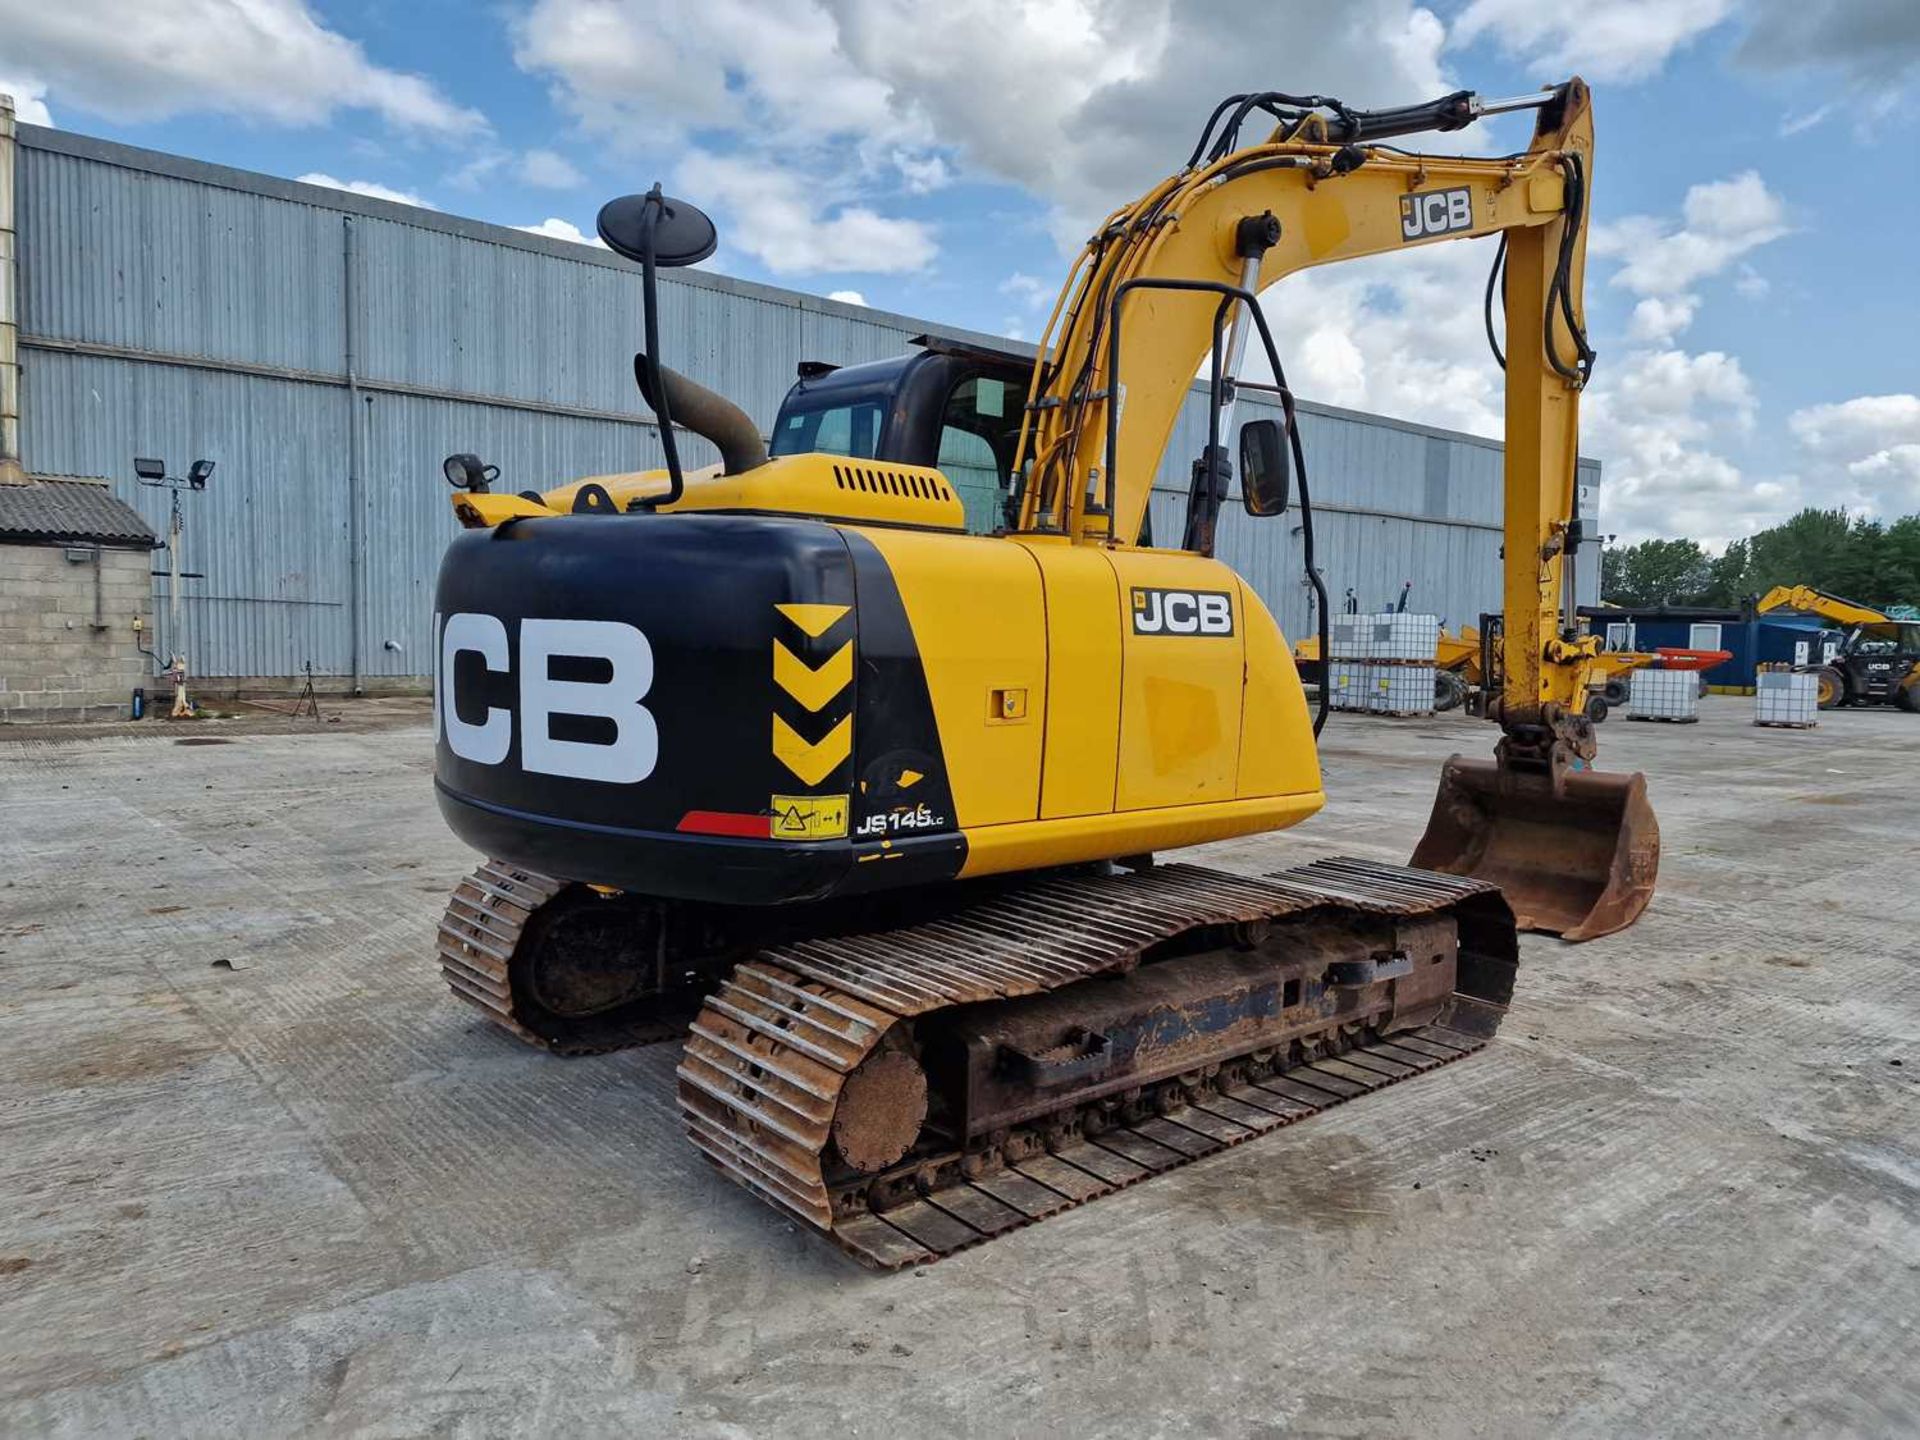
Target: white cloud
{"type": "Point", "coordinates": [1799, 124]}
{"type": "Point", "coordinates": [1086, 102]}
{"type": "Point", "coordinates": [1656, 419]}
{"type": "Point", "coordinates": [370, 188]}
{"type": "Point", "coordinates": [555, 228]}
{"type": "Point", "coordinates": [1856, 426]}
{"type": "Point", "coordinates": [1659, 319]}
{"type": "Point", "coordinates": [1721, 220]}
{"type": "Point", "coordinates": [766, 82]}
{"type": "Point", "coordinates": [1081, 102]}
{"type": "Point", "coordinates": [1863, 453]}
{"type": "Point", "coordinates": [628, 69]}
{"type": "Point", "coordinates": [1399, 334]}
{"type": "Point", "coordinates": [29, 100]}
{"type": "Point", "coordinates": [1035, 294]}
{"type": "Point", "coordinates": [922, 173]}
{"type": "Point", "coordinates": [1661, 259]}
{"type": "Point", "coordinates": [847, 297]}
{"type": "Point", "coordinates": [544, 169]}
{"type": "Point", "coordinates": [794, 230]}
{"type": "Point", "coordinates": [549, 170]}
{"type": "Point", "coordinates": [1604, 40]}
{"type": "Point", "coordinates": [267, 59]}
{"type": "Point", "coordinates": [1895, 460]}
{"type": "Point", "coordinates": [1657, 430]}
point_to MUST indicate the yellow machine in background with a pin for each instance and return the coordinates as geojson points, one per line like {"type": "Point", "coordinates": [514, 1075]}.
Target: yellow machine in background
{"type": "Point", "coordinates": [777, 744]}
{"type": "Point", "coordinates": [1877, 659]}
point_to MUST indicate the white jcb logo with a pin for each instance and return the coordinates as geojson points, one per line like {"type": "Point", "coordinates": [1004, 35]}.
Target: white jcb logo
{"type": "Point", "coordinates": [1435, 212]}
{"type": "Point", "coordinates": [1182, 612]}
{"type": "Point", "coordinates": [635, 746]}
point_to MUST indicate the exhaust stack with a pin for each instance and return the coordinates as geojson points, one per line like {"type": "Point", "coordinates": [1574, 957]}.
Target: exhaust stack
{"type": "Point", "coordinates": [705, 413]}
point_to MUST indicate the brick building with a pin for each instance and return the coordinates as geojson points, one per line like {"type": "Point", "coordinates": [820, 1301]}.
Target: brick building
{"type": "Point", "coordinates": [76, 601]}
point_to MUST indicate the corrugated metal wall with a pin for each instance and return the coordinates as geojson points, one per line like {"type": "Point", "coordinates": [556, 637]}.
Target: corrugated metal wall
{"type": "Point", "coordinates": [182, 310]}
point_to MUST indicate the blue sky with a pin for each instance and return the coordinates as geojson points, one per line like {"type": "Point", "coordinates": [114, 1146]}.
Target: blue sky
{"type": "Point", "coordinates": [1751, 290]}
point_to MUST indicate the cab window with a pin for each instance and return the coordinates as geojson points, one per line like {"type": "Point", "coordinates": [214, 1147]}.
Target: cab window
{"type": "Point", "coordinates": [851, 428]}
{"type": "Point", "coordinates": [979, 433]}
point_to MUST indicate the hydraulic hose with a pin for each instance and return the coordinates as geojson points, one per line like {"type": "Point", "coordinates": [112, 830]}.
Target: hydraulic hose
{"type": "Point", "coordinates": [1252, 302]}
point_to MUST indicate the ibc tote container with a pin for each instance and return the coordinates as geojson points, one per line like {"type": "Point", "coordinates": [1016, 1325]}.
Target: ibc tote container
{"type": "Point", "coordinates": [1664, 695]}
{"type": "Point", "coordinates": [1349, 684]}
{"type": "Point", "coordinates": [1401, 690]}
{"type": "Point", "coordinates": [1388, 636]}
{"type": "Point", "coordinates": [1786, 697]}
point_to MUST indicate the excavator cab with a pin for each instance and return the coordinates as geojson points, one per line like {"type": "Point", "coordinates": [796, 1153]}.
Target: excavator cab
{"type": "Point", "coordinates": [947, 405]}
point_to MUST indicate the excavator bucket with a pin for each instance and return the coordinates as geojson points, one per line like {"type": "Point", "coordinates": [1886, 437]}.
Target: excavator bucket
{"type": "Point", "coordinates": [1579, 863]}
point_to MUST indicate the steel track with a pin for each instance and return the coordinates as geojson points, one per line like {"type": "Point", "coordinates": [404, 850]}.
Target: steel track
{"type": "Point", "coordinates": [769, 1054]}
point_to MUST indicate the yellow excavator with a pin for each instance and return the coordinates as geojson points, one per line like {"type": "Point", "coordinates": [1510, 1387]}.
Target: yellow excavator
{"type": "Point", "coordinates": [776, 756]}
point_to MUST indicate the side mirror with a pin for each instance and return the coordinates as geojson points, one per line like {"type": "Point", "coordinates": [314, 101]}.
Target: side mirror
{"type": "Point", "coordinates": [1266, 472]}
{"type": "Point", "coordinates": [672, 231]}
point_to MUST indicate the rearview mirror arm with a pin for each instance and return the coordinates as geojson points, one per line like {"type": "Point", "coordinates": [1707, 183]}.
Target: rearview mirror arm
{"type": "Point", "coordinates": [650, 305]}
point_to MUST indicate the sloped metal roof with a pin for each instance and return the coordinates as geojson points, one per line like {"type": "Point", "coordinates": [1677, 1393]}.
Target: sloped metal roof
{"type": "Point", "coordinates": [52, 512]}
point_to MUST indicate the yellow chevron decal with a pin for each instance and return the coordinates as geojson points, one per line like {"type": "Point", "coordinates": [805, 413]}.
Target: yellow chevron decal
{"type": "Point", "coordinates": [814, 619]}
{"type": "Point", "coordinates": [812, 688]}
{"type": "Point", "coordinates": [812, 762]}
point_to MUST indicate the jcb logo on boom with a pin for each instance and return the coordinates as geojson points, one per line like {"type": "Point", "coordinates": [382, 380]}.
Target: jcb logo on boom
{"type": "Point", "coordinates": [1435, 212]}
{"type": "Point", "coordinates": [1182, 612]}
{"type": "Point", "coordinates": [621, 649]}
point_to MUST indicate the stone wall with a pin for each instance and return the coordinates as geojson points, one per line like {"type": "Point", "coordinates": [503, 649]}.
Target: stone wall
{"type": "Point", "coordinates": [56, 663]}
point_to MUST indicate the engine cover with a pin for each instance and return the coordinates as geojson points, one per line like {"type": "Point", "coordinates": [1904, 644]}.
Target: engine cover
{"type": "Point", "coordinates": [697, 707]}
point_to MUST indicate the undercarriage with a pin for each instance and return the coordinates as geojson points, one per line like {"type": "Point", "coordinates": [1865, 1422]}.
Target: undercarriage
{"type": "Point", "coordinates": [916, 1087]}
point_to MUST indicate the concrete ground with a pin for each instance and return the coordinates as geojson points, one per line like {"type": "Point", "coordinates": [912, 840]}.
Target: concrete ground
{"type": "Point", "coordinates": [259, 1175]}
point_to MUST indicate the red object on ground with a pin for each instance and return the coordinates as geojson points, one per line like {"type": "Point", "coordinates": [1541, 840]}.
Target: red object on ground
{"type": "Point", "coordinates": [1672, 657]}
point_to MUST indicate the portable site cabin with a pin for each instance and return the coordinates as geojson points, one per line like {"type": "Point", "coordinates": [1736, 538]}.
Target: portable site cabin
{"type": "Point", "coordinates": [1752, 640]}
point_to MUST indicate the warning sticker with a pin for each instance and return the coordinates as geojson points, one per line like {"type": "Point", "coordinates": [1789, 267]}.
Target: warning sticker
{"type": "Point", "coordinates": [809, 817]}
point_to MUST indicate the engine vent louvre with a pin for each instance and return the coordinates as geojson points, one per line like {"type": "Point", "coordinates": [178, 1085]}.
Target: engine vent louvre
{"type": "Point", "coordinates": [890, 482]}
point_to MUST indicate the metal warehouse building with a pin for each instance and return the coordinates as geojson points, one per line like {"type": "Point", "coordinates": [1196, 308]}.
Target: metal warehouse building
{"type": "Point", "coordinates": [327, 351]}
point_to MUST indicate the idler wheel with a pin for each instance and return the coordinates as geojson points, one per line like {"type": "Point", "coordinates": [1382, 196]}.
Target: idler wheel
{"type": "Point", "coordinates": [590, 955]}
{"type": "Point", "coordinates": [882, 1106]}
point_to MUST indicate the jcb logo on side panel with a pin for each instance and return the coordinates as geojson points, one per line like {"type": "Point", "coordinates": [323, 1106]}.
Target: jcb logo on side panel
{"type": "Point", "coordinates": [1182, 612]}
{"type": "Point", "coordinates": [1435, 212]}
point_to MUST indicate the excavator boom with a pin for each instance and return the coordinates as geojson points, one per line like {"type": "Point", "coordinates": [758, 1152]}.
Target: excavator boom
{"type": "Point", "coordinates": [1577, 859]}
{"type": "Point", "coordinates": [1809, 601]}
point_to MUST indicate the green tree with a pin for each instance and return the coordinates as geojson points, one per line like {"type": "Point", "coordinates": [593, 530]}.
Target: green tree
{"type": "Point", "coordinates": [1655, 572]}
{"type": "Point", "coordinates": [1822, 548]}
{"type": "Point", "coordinates": [1730, 576]}
{"type": "Point", "coordinates": [1900, 562]}
{"type": "Point", "coordinates": [1853, 556]}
